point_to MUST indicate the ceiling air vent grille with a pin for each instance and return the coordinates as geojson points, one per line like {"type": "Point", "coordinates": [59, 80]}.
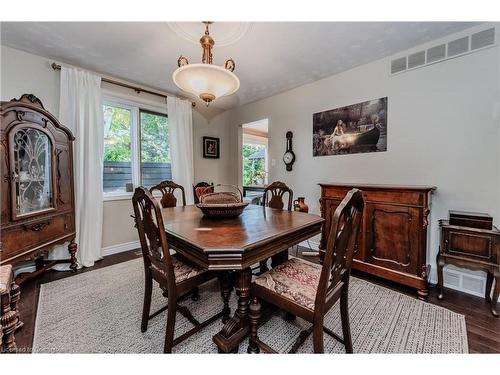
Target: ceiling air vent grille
{"type": "Point", "coordinates": [416, 59]}
{"type": "Point", "coordinates": [398, 65]}
{"type": "Point", "coordinates": [482, 39]}
{"type": "Point", "coordinates": [451, 49]}
{"type": "Point", "coordinates": [436, 53]}
{"type": "Point", "coordinates": [459, 46]}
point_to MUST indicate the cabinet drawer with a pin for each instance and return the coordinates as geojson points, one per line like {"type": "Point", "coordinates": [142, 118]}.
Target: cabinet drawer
{"type": "Point", "coordinates": [32, 234]}
{"type": "Point", "coordinates": [469, 244]}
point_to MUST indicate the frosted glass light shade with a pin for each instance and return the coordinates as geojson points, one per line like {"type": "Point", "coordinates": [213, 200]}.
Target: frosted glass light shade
{"type": "Point", "coordinates": [206, 81]}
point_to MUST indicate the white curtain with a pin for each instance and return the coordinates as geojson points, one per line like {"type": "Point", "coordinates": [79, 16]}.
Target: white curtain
{"type": "Point", "coordinates": [180, 124]}
{"type": "Point", "coordinates": [80, 109]}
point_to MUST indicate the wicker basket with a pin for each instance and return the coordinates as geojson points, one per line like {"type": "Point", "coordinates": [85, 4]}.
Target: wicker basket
{"type": "Point", "coordinates": [224, 204]}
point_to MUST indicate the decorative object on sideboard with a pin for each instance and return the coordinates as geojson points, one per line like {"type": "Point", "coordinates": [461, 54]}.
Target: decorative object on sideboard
{"type": "Point", "coordinates": [205, 80]}
{"type": "Point", "coordinates": [300, 205]}
{"type": "Point", "coordinates": [471, 247]}
{"type": "Point", "coordinates": [289, 155]}
{"type": "Point", "coordinates": [357, 128]}
{"type": "Point", "coordinates": [392, 243]}
{"type": "Point", "coordinates": [471, 219]}
{"type": "Point", "coordinates": [211, 147]}
{"type": "Point", "coordinates": [37, 195]}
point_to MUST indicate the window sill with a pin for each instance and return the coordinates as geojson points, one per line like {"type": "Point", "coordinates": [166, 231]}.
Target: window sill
{"type": "Point", "coordinates": [117, 197]}
{"type": "Point", "coordinates": [123, 196]}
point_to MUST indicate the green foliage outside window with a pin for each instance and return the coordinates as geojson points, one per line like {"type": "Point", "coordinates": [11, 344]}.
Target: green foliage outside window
{"type": "Point", "coordinates": [117, 142]}
{"type": "Point", "coordinates": [254, 170]}
{"type": "Point", "coordinates": [155, 143]}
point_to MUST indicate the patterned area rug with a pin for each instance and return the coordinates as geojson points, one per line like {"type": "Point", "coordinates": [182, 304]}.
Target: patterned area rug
{"type": "Point", "coordinates": [100, 312]}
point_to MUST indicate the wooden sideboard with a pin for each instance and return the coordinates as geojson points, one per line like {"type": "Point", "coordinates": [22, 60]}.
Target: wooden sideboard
{"type": "Point", "coordinates": [392, 243]}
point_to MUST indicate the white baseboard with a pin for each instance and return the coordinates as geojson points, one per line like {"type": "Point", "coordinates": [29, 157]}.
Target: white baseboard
{"type": "Point", "coordinates": [120, 248]}
{"type": "Point", "coordinates": [453, 278]}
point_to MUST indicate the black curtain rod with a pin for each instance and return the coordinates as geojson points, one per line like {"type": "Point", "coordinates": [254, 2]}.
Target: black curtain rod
{"type": "Point", "coordinates": [137, 89]}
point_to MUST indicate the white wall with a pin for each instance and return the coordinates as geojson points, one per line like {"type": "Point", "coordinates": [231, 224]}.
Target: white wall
{"type": "Point", "coordinates": [23, 72]}
{"type": "Point", "coordinates": [443, 130]}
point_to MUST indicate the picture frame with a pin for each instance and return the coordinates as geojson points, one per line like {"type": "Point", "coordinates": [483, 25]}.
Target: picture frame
{"type": "Point", "coordinates": [353, 129]}
{"type": "Point", "coordinates": [211, 147]}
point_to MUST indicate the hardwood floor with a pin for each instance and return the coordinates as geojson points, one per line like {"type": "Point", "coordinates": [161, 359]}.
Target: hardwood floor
{"type": "Point", "coordinates": [483, 330]}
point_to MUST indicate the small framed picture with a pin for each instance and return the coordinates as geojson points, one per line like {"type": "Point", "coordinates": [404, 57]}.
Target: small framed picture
{"type": "Point", "coordinates": [211, 147]}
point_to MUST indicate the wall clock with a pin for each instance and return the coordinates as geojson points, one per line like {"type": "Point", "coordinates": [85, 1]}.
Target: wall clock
{"type": "Point", "coordinates": [289, 156]}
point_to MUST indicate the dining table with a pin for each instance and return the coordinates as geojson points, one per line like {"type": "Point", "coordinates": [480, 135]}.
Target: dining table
{"type": "Point", "coordinates": [233, 246]}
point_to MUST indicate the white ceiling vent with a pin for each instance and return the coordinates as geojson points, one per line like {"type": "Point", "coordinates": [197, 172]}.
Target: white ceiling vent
{"type": "Point", "coordinates": [416, 59]}
{"type": "Point", "coordinates": [398, 65]}
{"type": "Point", "coordinates": [482, 39]}
{"type": "Point", "coordinates": [436, 53]}
{"type": "Point", "coordinates": [459, 46]}
{"type": "Point", "coordinates": [442, 52]}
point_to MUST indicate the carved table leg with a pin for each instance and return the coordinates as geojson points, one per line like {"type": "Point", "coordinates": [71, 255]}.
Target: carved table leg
{"type": "Point", "coordinates": [440, 265]}
{"type": "Point", "coordinates": [423, 293]}
{"type": "Point", "coordinates": [263, 266]}
{"type": "Point", "coordinates": [195, 294]}
{"type": "Point", "coordinates": [277, 259]}
{"type": "Point", "coordinates": [496, 293]}
{"type": "Point", "coordinates": [72, 247]}
{"type": "Point", "coordinates": [225, 291]}
{"type": "Point", "coordinates": [254, 316]}
{"type": "Point", "coordinates": [15, 296]}
{"type": "Point", "coordinates": [236, 328]}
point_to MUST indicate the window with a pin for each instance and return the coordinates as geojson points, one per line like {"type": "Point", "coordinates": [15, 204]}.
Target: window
{"type": "Point", "coordinates": [136, 148]}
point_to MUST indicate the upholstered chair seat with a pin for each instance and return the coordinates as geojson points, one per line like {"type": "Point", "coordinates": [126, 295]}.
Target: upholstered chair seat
{"type": "Point", "coordinates": [295, 279]}
{"type": "Point", "coordinates": [182, 270]}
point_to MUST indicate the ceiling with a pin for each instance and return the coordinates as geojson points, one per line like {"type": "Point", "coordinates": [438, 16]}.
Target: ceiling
{"type": "Point", "coordinates": [271, 57]}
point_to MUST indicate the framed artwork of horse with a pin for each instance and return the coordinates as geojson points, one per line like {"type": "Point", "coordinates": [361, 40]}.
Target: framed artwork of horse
{"type": "Point", "coordinates": [353, 129]}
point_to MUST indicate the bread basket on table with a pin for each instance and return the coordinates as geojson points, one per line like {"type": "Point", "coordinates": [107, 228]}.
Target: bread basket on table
{"type": "Point", "coordinates": [222, 204]}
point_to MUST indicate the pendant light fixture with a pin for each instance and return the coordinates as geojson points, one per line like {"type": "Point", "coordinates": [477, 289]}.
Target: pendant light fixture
{"type": "Point", "coordinates": [205, 80]}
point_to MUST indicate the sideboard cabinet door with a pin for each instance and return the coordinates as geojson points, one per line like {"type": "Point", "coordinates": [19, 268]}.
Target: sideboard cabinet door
{"type": "Point", "coordinates": [390, 239]}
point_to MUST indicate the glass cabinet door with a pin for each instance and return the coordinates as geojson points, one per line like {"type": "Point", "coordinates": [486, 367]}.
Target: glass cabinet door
{"type": "Point", "coordinates": [32, 171]}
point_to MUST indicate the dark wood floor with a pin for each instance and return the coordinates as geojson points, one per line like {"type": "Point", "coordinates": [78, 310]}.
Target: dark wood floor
{"type": "Point", "coordinates": [483, 330]}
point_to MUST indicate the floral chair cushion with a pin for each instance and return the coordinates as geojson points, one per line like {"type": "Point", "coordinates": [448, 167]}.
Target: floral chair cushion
{"type": "Point", "coordinates": [295, 279]}
{"type": "Point", "coordinates": [182, 270]}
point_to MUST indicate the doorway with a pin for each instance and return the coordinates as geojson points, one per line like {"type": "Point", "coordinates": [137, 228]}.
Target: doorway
{"type": "Point", "coordinates": [254, 167]}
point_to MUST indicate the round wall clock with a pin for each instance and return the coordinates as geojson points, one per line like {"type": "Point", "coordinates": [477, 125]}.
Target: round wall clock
{"type": "Point", "coordinates": [289, 156]}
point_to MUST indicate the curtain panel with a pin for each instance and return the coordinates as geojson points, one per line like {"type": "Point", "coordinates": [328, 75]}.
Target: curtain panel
{"type": "Point", "coordinates": [180, 124]}
{"type": "Point", "coordinates": [80, 109]}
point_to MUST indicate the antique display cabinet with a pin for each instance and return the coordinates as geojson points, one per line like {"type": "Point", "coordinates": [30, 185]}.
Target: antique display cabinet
{"type": "Point", "coordinates": [37, 194]}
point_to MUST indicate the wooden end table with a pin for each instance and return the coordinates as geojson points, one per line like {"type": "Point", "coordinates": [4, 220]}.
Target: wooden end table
{"type": "Point", "coordinates": [477, 249]}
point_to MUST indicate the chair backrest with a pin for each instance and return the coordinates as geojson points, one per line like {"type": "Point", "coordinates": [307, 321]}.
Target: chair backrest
{"type": "Point", "coordinates": [277, 189]}
{"type": "Point", "coordinates": [201, 188]}
{"type": "Point", "coordinates": [341, 242]}
{"type": "Point", "coordinates": [154, 245]}
{"type": "Point", "coordinates": [168, 189]}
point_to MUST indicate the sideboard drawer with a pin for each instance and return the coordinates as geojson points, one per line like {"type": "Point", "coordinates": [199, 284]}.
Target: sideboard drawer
{"type": "Point", "coordinates": [469, 244]}
{"type": "Point", "coordinates": [17, 239]}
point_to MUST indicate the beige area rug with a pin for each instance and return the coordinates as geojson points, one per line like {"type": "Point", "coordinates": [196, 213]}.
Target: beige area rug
{"type": "Point", "coordinates": [100, 312]}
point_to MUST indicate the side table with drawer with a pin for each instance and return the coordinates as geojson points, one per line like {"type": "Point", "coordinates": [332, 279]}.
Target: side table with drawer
{"type": "Point", "coordinates": [472, 248]}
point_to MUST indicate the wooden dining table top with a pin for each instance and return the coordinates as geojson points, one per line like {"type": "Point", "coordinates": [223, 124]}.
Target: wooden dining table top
{"type": "Point", "coordinates": [235, 243]}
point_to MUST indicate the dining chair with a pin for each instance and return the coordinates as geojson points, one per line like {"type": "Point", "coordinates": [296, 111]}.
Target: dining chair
{"type": "Point", "coordinates": [168, 199]}
{"type": "Point", "coordinates": [174, 274]}
{"type": "Point", "coordinates": [273, 197]}
{"type": "Point", "coordinates": [202, 188]}
{"type": "Point", "coordinates": [167, 189]}
{"type": "Point", "coordinates": [310, 290]}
